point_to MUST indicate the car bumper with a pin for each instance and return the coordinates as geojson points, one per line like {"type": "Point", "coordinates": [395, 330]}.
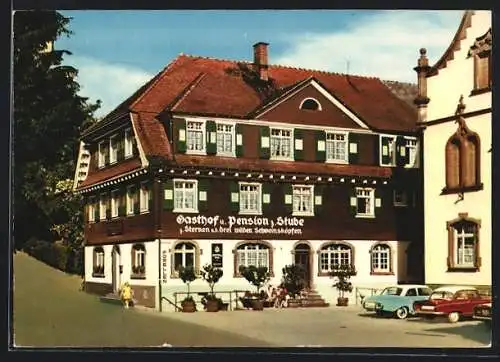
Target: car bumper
{"type": "Point", "coordinates": [483, 318]}
{"type": "Point", "coordinates": [429, 312]}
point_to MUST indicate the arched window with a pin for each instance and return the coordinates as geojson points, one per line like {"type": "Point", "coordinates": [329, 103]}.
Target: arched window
{"type": "Point", "coordinates": [185, 255]}
{"type": "Point", "coordinates": [381, 259]}
{"type": "Point", "coordinates": [98, 262]}
{"type": "Point", "coordinates": [463, 243]}
{"type": "Point", "coordinates": [453, 163]}
{"type": "Point", "coordinates": [253, 253]}
{"type": "Point", "coordinates": [138, 261]}
{"type": "Point", "coordinates": [333, 255]}
{"type": "Point", "coordinates": [310, 104]}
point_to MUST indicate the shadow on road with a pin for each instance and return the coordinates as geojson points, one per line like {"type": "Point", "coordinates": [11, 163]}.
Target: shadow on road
{"type": "Point", "coordinates": [375, 316]}
{"type": "Point", "coordinates": [480, 333]}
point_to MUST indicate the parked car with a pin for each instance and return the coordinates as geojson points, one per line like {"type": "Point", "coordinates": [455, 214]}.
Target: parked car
{"type": "Point", "coordinates": [453, 302]}
{"type": "Point", "coordinates": [482, 312]}
{"type": "Point", "coordinates": [397, 300]}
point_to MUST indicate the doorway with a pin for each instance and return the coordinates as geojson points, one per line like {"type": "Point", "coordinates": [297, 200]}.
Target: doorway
{"type": "Point", "coordinates": [116, 266]}
{"type": "Point", "coordinates": [302, 257]}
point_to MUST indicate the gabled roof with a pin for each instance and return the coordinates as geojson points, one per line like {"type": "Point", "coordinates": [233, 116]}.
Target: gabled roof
{"type": "Point", "coordinates": [202, 86]}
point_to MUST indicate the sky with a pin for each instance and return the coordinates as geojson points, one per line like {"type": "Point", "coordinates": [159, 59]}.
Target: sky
{"type": "Point", "coordinates": [116, 52]}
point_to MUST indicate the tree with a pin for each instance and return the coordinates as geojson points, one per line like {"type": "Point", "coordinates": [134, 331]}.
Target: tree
{"type": "Point", "coordinates": [293, 279]}
{"type": "Point", "coordinates": [257, 276]}
{"type": "Point", "coordinates": [48, 118]}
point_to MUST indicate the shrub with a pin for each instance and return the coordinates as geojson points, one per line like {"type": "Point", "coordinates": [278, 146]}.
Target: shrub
{"type": "Point", "coordinates": [293, 279]}
{"type": "Point", "coordinates": [256, 276]}
{"type": "Point", "coordinates": [211, 275]}
{"type": "Point", "coordinates": [187, 275]}
{"type": "Point", "coordinates": [343, 273]}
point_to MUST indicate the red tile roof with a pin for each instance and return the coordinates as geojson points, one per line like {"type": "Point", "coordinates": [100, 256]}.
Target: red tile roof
{"type": "Point", "coordinates": [259, 165]}
{"type": "Point", "coordinates": [111, 172]}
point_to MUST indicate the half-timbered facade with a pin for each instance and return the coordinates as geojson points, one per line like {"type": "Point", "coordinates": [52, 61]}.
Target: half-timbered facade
{"type": "Point", "coordinates": [246, 163]}
{"type": "Point", "coordinates": [455, 114]}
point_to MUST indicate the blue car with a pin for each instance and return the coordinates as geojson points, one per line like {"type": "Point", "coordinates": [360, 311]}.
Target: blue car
{"type": "Point", "coordinates": [397, 300]}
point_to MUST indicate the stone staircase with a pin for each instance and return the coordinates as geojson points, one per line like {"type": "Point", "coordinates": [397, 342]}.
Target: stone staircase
{"type": "Point", "coordinates": [114, 298]}
{"type": "Point", "coordinates": [311, 298]}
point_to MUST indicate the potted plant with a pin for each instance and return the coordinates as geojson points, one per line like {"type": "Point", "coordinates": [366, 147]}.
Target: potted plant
{"type": "Point", "coordinates": [293, 282]}
{"type": "Point", "coordinates": [211, 275]}
{"type": "Point", "coordinates": [138, 269]}
{"type": "Point", "coordinates": [187, 275]}
{"type": "Point", "coordinates": [343, 273]}
{"type": "Point", "coordinates": [256, 276]}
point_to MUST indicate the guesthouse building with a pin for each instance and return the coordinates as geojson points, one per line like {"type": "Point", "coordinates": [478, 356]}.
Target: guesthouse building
{"type": "Point", "coordinates": [245, 163]}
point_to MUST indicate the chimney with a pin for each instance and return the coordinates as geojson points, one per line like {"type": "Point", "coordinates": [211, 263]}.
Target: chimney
{"type": "Point", "coordinates": [422, 100]}
{"type": "Point", "coordinates": [260, 59]}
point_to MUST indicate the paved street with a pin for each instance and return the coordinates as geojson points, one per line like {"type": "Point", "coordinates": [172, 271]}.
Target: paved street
{"type": "Point", "coordinates": [339, 327]}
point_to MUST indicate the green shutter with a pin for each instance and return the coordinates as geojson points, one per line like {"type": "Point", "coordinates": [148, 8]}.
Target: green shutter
{"type": "Point", "coordinates": [168, 195]}
{"type": "Point", "coordinates": [378, 200]}
{"type": "Point", "coordinates": [353, 201]}
{"type": "Point", "coordinates": [181, 135]}
{"type": "Point", "coordinates": [122, 209]}
{"type": "Point", "coordinates": [384, 150]}
{"type": "Point", "coordinates": [106, 154]}
{"type": "Point", "coordinates": [135, 150]}
{"type": "Point", "coordinates": [203, 186]}
{"type": "Point", "coordinates": [401, 151]}
{"type": "Point", "coordinates": [96, 211]}
{"type": "Point", "coordinates": [264, 142]}
{"type": "Point", "coordinates": [288, 198]}
{"type": "Point", "coordinates": [150, 197]}
{"type": "Point", "coordinates": [318, 199]}
{"type": "Point", "coordinates": [239, 140]}
{"type": "Point", "coordinates": [298, 137]}
{"type": "Point", "coordinates": [353, 148]}
{"type": "Point", "coordinates": [234, 196]}
{"type": "Point", "coordinates": [211, 137]}
{"type": "Point", "coordinates": [121, 148]}
{"type": "Point", "coordinates": [266, 197]}
{"type": "Point", "coordinates": [320, 142]}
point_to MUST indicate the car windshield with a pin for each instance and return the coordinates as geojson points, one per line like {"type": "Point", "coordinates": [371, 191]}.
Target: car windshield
{"type": "Point", "coordinates": [392, 291]}
{"type": "Point", "coordinates": [442, 295]}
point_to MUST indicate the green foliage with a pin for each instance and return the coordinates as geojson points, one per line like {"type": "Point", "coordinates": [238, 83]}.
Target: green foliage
{"type": "Point", "coordinates": [53, 254]}
{"type": "Point", "coordinates": [187, 275]}
{"type": "Point", "coordinates": [343, 273]}
{"type": "Point", "coordinates": [211, 275]}
{"type": "Point", "coordinates": [48, 118]}
{"type": "Point", "coordinates": [293, 279]}
{"type": "Point", "coordinates": [257, 276]}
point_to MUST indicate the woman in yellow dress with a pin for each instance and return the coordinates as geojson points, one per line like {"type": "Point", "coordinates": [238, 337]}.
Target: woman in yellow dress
{"type": "Point", "coordinates": [126, 293]}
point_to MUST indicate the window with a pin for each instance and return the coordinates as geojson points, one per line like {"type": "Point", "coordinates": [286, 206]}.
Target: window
{"type": "Point", "coordinates": [336, 147]}
{"type": "Point", "coordinates": [281, 144]}
{"type": "Point", "coordinates": [129, 143]}
{"type": "Point", "coordinates": [132, 199]}
{"type": "Point", "coordinates": [103, 206]}
{"type": "Point", "coordinates": [91, 207]}
{"type": "Point", "coordinates": [411, 148]}
{"type": "Point", "coordinates": [392, 291]}
{"type": "Point", "coordinates": [400, 197]}
{"type": "Point", "coordinates": [412, 292]}
{"type": "Point", "coordinates": [303, 197]}
{"type": "Point", "coordinates": [381, 259]}
{"type": "Point", "coordinates": [138, 261]}
{"type": "Point", "coordinates": [250, 198]}
{"type": "Point", "coordinates": [252, 254]}
{"type": "Point", "coordinates": [463, 248]}
{"type": "Point", "coordinates": [424, 291]}
{"type": "Point", "coordinates": [185, 196]}
{"type": "Point", "coordinates": [225, 143]}
{"type": "Point", "coordinates": [115, 203]}
{"type": "Point", "coordinates": [102, 154]}
{"type": "Point", "coordinates": [387, 150]}
{"type": "Point", "coordinates": [334, 255]}
{"type": "Point", "coordinates": [365, 202]}
{"type": "Point", "coordinates": [184, 256]}
{"type": "Point", "coordinates": [145, 196]}
{"type": "Point", "coordinates": [113, 149]}
{"type": "Point", "coordinates": [310, 104]}
{"type": "Point", "coordinates": [482, 71]}
{"type": "Point", "coordinates": [195, 136]}
{"type": "Point", "coordinates": [98, 258]}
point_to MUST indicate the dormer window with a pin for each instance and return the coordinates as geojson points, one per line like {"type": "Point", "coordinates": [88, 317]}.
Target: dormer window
{"type": "Point", "coordinates": [481, 52]}
{"type": "Point", "coordinates": [310, 104]}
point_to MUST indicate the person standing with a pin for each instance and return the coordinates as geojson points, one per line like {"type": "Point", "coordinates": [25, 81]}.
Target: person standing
{"type": "Point", "coordinates": [126, 294]}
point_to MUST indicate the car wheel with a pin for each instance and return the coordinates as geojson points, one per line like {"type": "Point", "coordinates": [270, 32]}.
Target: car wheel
{"type": "Point", "coordinates": [453, 317]}
{"type": "Point", "coordinates": [402, 313]}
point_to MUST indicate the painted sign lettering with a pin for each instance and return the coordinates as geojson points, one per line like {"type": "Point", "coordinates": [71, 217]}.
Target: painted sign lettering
{"type": "Point", "coordinates": [217, 255]}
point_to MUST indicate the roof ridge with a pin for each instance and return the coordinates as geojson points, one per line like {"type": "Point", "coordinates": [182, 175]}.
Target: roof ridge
{"type": "Point", "coordinates": [188, 89]}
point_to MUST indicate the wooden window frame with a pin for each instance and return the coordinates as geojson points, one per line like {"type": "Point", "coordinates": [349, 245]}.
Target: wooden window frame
{"type": "Point", "coordinates": [451, 260]}
{"type": "Point", "coordinates": [390, 260]}
{"type": "Point", "coordinates": [98, 269]}
{"type": "Point", "coordinates": [138, 271]}
{"type": "Point", "coordinates": [236, 272]}
{"type": "Point", "coordinates": [323, 246]}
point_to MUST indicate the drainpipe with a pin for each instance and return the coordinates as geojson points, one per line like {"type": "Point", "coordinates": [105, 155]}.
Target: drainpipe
{"type": "Point", "coordinates": [159, 275]}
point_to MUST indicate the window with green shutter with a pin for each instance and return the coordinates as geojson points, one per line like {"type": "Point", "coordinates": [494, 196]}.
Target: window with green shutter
{"type": "Point", "coordinates": [234, 196]}
{"type": "Point", "coordinates": [264, 142]}
{"type": "Point", "coordinates": [239, 140]}
{"type": "Point", "coordinates": [318, 199]}
{"type": "Point", "coordinates": [120, 155]}
{"type": "Point", "coordinates": [181, 144]}
{"type": "Point", "coordinates": [266, 197]}
{"type": "Point", "coordinates": [288, 198]}
{"type": "Point", "coordinates": [203, 186]}
{"type": "Point", "coordinates": [320, 141]}
{"type": "Point", "coordinates": [353, 144]}
{"type": "Point", "coordinates": [211, 137]}
{"type": "Point", "coordinates": [168, 194]}
{"type": "Point", "coordinates": [401, 151]}
{"type": "Point", "coordinates": [122, 207]}
{"type": "Point", "coordinates": [353, 202]}
{"type": "Point", "coordinates": [298, 137]}
{"type": "Point", "coordinates": [387, 150]}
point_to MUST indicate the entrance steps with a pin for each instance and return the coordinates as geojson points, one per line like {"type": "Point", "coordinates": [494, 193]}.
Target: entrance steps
{"type": "Point", "coordinates": [114, 298]}
{"type": "Point", "coordinates": [311, 298]}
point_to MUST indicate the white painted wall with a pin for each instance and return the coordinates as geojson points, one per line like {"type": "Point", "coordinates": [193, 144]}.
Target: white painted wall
{"type": "Point", "coordinates": [282, 255]}
{"type": "Point", "coordinates": [444, 91]}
